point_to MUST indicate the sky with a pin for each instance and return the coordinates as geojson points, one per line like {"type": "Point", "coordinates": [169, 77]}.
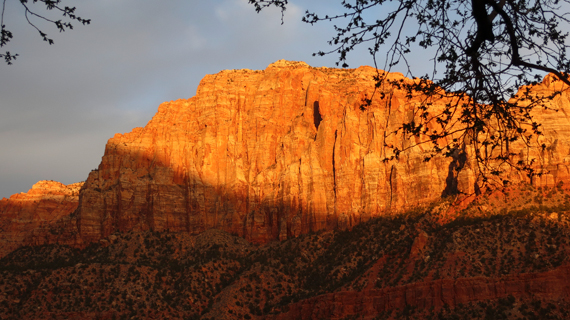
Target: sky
{"type": "Point", "coordinates": [60, 103]}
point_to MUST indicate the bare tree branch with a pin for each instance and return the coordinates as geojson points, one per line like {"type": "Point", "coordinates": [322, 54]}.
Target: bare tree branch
{"type": "Point", "coordinates": [67, 13]}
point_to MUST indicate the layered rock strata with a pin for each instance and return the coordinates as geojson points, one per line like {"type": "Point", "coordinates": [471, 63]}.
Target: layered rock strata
{"type": "Point", "coordinates": [276, 153]}
{"type": "Point", "coordinates": [432, 295]}
{"type": "Point", "coordinates": [24, 215]}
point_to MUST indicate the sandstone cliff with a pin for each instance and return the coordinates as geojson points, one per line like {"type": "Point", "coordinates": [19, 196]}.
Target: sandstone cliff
{"type": "Point", "coordinates": [23, 214]}
{"type": "Point", "coordinates": [277, 153]}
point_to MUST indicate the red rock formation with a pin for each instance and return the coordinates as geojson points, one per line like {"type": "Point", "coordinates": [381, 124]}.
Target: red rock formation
{"type": "Point", "coordinates": [25, 213]}
{"type": "Point", "coordinates": [550, 286]}
{"type": "Point", "coordinates": [277, 153]}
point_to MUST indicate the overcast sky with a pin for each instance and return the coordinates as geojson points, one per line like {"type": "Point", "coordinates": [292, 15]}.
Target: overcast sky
{"type": "Point", "coordinates": [60, 104]}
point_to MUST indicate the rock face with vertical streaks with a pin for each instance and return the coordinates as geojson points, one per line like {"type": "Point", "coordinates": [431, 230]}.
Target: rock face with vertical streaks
{"type": "Point", "coordinates": [25, 214]}
{"type": "Point", "coordinates": [277, 153]}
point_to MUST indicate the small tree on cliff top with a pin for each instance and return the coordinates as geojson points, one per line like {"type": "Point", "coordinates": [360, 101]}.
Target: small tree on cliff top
{"type": "Point", "coordinates": [483, 52]}
{"type": "Point", "coordinates": [31, 11]}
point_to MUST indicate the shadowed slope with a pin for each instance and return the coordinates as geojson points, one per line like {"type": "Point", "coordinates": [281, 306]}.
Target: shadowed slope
{"type": "Point", "coordinates": [507, 266]}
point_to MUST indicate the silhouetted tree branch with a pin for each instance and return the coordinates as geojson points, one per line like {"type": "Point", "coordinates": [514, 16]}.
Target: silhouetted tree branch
{"type": "Point", "coordinates": [68, 14]}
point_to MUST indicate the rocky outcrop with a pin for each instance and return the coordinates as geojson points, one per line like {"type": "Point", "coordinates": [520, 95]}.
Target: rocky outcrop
{"type": "Point", "coordinates": [281, 152]}
{"type": "Point", "coordinates": [24, 214]}
{"type": "Point", "coordinates": [262, 154]}
{"type": "Point", "coordinates": [432, 295]}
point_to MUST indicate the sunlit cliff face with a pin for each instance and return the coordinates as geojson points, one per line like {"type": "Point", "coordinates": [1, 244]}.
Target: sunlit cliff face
{"type": "Point", "coordinates": [273, 154]}
{"type": "Point", "coordinates": [277, 153]}
{"type": "Point", "coordinates": [265, 155]}
{"type": "Point", "coordinates": [43, 205]}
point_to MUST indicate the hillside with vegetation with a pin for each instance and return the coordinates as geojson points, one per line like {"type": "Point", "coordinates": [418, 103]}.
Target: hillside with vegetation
{"type": "Point", "coordinates": [504, 256]}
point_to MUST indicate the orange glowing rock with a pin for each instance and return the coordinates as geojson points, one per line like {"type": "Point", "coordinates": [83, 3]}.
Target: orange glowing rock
{"type": "Point", "coordinates": [25, 214]}
{"type": "Point", "coordinates": [269, 155]}
{"type": "Point", "coordinates": [273, 154]}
